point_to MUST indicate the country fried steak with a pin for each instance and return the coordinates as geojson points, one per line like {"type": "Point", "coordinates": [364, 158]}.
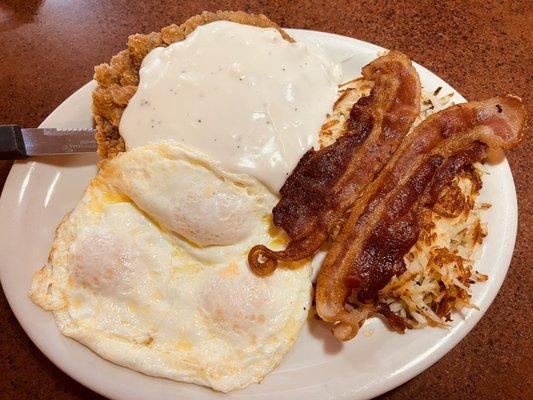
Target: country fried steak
{"type": "Point", "coordinates": [118, 80]}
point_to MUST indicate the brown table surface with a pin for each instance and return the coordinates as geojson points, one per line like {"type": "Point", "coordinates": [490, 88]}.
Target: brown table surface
{"type": "Point", "coordinates": [482, 48]}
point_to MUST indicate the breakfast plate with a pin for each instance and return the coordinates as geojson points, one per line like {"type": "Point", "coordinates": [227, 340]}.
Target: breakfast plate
{"type": "Point", "coordinates": [40, 191]}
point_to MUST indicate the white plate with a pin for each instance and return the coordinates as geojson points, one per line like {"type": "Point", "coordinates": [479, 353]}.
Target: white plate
{"type": "Point", "coordinates": [38, 192]}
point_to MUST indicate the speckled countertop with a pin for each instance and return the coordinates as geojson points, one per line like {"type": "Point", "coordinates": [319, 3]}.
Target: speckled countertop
{"type": "Point", "coordinates": [482, 48]}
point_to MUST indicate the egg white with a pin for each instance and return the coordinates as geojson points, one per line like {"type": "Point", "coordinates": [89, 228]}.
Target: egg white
{"type": "Point", "coordinates": [150, 271]}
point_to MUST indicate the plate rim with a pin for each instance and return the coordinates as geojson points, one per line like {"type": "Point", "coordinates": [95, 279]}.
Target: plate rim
{"type": "Point", "coordinates": [429, 357]}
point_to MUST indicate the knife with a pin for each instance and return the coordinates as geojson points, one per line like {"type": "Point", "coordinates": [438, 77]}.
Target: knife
{"type": "Point", "coordinates": [16, 142]}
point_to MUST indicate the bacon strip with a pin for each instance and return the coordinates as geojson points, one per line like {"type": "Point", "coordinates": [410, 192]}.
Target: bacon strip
{"type": "Point", "coordinates": [384, 222]}
{"type": "Point", "coordinates": [325, 183]}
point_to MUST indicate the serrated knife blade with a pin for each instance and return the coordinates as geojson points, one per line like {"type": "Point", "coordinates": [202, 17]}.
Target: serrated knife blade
{"type": "Point", "coordinates": [16, 142]}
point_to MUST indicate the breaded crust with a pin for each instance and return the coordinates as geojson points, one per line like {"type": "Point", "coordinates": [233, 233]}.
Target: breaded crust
{"type": "Point", "coordinates": [118, 80]}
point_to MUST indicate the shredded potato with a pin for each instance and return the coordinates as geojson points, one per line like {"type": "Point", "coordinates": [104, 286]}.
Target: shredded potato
{"type": "Point", "coordinates": [440, 265]}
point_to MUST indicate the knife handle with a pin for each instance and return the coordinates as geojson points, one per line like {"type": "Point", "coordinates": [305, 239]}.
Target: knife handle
{"type": "Point", "coordinates": [11, 143]}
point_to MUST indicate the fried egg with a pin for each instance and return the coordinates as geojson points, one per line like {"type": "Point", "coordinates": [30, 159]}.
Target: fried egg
{"type": "Point", "coordinates": [150, 271]}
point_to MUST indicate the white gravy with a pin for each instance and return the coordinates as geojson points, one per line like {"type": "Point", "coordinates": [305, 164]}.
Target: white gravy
{"type": "Point", "coordinates": [243, 95]}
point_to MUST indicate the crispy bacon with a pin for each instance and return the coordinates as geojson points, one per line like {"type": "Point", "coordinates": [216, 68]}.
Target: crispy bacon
{"type": "Point", "coordinates": [385, 221]}
{"type": "Point", "coordinates": [325, 183]}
